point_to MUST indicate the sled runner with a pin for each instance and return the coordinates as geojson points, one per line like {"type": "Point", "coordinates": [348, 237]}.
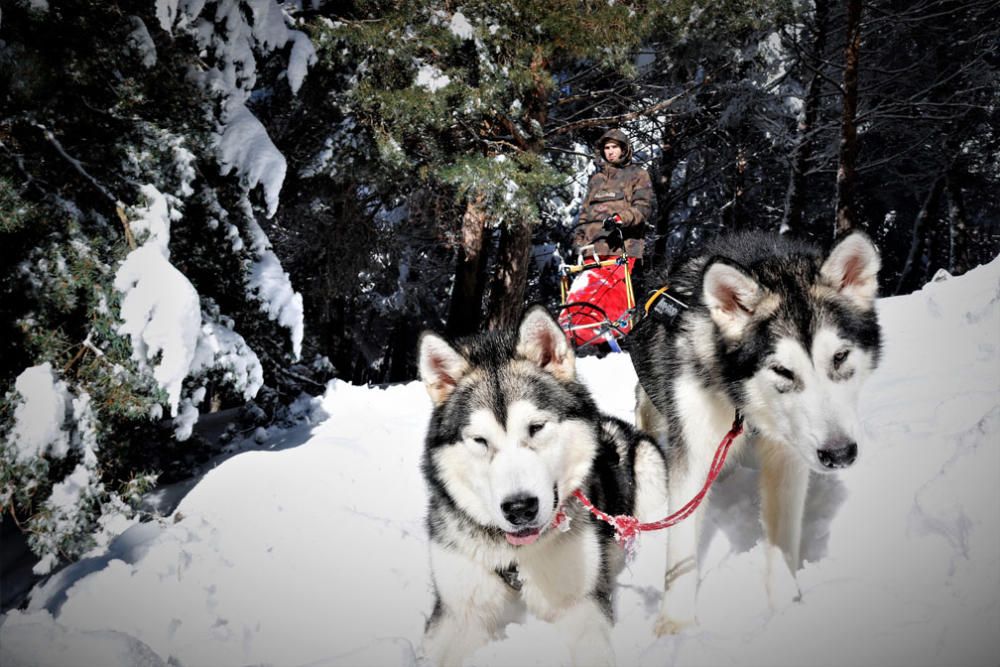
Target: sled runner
{"type": "Point", "coordinates": [598, 303]}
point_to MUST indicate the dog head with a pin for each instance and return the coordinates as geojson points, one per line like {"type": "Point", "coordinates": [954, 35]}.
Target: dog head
{"type": "Point", "coordinates": [798, 337]}
{"type": "Point", "coordinates": [513, 433]}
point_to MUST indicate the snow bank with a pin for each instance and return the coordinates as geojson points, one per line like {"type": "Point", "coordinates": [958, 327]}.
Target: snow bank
{"type": "Point", "coordinates": [50, 643]}
{"type": "Point", "coordinates": [311, 549]}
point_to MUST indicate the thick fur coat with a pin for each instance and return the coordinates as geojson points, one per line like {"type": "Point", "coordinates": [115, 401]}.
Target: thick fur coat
{"type": "Point", "coordinates": [782, 333]}
{"type": "Point", "coordinates": [513, 434]}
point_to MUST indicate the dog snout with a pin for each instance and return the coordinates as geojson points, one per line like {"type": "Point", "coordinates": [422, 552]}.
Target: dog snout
{"type": "Point", "coordinates": [838, 457]}
{"type": "Point", "coordinates": [520, 509]}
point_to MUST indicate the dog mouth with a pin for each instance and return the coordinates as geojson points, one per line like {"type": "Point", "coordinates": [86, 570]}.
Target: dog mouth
{"type": "Point", "coordinates": [523, 537]}
{"type": "Point", "coordinates": [522, 514]}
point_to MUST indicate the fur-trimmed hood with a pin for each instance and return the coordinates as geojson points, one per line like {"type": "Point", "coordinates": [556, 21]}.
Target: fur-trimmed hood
{"type": "Point", "coordinates": [621, 138]}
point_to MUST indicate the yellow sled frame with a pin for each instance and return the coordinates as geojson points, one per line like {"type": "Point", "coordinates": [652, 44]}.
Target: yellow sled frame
{"type": "Point", "coordinates": [569, 271]}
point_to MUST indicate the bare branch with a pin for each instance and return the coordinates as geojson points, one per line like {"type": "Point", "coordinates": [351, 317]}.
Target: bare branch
{"type": "Point", "coordinates": [76, 163]}
{"type": "Point", "coordinates": [617, 119]}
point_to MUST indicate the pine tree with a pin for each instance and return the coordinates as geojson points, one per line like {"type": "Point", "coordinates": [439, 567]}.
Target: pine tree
{"type": "Point", "coordinates": [456, 108]}
{"type": "Point", "coordinates": [137, 277]}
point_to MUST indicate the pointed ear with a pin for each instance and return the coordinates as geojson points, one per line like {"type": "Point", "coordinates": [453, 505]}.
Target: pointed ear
{"type": "Point", "coordinates": [852, 270]}
{"type": "Point", "coordinates": [441, 367]}
{"type": "Point", "coordinates": [542, 342]}
{"type": "Point", "coordinates": [731, 295]}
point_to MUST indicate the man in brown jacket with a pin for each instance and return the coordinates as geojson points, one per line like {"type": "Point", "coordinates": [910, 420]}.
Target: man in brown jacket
{"type": "Point", "coordinates": [619, 195]}
{"type": "Point", "coordinates": [619, 188]}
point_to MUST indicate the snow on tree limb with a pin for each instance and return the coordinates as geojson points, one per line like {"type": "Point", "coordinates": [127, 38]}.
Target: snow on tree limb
{"type": "Point", "coordinates": [49, 421]}
{"type": "Point", "coordinates": [219, 346]}
{"type": "Point", "coordinates": [160, 309]}
{"type": "Point", "coordinates": [303, 56]}
{"type": "Point", "coordinates": [281, 302]}
{"type": "Point", "coordinates": [166, 13]}
{"type": "Point", "coordinates": [141, 42]}
{"type": "Point", "coordinates": [39, 418]}
{"type": "Point", "coordinates": [244, 146]}
{"type": "Point", "coordinates": [161, 315]}
{"type": "Point", "coordinates": [272, 286]}
{"type": "Point", "coordinates": [235, 32]}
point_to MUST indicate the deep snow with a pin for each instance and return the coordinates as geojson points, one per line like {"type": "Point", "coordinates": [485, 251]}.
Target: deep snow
{"type": "Point", "coordinates": [310, 549]}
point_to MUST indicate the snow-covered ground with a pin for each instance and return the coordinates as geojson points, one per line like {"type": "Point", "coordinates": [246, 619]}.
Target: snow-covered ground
{"type": "Point", "coordinates": [310, 549]}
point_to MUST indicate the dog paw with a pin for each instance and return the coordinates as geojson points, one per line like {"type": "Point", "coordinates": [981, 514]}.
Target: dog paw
{"type": "Point", "coordinates": [667, 625]}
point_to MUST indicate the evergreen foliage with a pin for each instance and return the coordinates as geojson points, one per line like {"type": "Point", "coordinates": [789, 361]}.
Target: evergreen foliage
{"type": "Point", "coordinates": [437, 134]}
{"type": "Point", "coordinates": [113, 142]}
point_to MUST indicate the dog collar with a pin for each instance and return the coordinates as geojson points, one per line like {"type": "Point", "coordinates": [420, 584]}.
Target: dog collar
{"type": "Point", "coordinates": [560, 521]}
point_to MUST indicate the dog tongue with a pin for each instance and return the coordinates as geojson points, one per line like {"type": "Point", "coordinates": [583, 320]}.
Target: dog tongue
{"type": "Point", "coordinates": [523, 538]}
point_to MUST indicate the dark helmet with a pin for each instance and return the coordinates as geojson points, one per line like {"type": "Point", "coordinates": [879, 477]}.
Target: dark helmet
{"type": "Point", "coordinates": [622, 139]}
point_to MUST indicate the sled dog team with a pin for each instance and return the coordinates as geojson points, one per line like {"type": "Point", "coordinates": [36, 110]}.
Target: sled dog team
{"type": "Point", "coordinates": [773, 330]}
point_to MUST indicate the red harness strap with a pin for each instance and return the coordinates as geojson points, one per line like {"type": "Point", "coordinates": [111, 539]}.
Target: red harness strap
{"type": "Point", "coordinates": [628, 527]}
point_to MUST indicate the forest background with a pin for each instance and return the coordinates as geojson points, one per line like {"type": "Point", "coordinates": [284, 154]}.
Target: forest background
{"type": "Point", "coordinates": [211, 205]}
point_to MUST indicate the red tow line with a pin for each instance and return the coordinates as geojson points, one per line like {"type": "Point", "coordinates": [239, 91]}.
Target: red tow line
{"type": "Point", "coordinates": [627, 527]}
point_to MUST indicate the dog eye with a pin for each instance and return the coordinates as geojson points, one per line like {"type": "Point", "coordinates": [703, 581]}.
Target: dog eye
{"type": "Point", "coordinates": [481, 441]}
{"type": "Point", "coordinates": [840, 358]}
{"type": "Point", "coordinates": [782, 372]}
{"type": "Point", "coordinates": [533, 429]}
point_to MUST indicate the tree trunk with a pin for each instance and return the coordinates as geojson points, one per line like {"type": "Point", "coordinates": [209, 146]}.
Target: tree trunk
{"type": "Point", "coordinates": [919, 231]}
{"type": "Point", "coordinates": [958, 230]}
{"type": "Point", "coordinates": [664, 177]}
{"type": "Point", "coordinates": [506, 302]}
{"type": "Point", "coordinates": [401, 365]}
{"type": "Point", "coordinates": [510, 277]}
{"type": "Point", "coordinates": [846, 216]}
{"type": "Point", "coordinates": [466, 306]}
{"type": "Point", "coordinates": [732, 211]}
{"type": "Point", "coordinates": [795, 197]}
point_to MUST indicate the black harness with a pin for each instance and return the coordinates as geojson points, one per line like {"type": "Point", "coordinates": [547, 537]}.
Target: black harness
{"type": "Point", "coordinates": [664, 307]}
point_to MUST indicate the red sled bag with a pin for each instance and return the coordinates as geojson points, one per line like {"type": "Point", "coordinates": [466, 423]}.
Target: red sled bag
{"type": "Point", "coordinates": [604, 287]}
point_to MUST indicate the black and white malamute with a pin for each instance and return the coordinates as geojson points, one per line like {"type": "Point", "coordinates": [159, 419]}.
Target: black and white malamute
{"type": "Point", "coordinates": [513, 434]}
{"type": "Point", "coordinates": [782, 334]}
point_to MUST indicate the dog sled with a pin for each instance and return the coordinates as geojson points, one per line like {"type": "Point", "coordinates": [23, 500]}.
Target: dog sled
{"type": "Point", "coordinates": [597, 300]}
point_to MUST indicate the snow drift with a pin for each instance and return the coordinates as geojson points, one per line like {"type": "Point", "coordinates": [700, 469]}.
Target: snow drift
{"type": "Point", "coordinates": [309, 549]}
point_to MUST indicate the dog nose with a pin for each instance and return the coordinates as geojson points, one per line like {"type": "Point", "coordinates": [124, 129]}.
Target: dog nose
{"type": "Point", "coordinates": [520, 509]}
{"type": "Point", "coordinates": [838, 458]}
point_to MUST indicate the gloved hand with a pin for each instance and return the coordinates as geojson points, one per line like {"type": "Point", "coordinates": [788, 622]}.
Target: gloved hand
{"type": "Point", "coordinates": [614, 238]}
{"type": "Point", "coordinates": [612, 222]}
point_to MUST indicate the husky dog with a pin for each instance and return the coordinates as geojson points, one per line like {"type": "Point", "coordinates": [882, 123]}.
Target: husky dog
{"type": "Point", "coordinates": [774, 330]}
{"type": "Point", "coordinates": [513, 434]}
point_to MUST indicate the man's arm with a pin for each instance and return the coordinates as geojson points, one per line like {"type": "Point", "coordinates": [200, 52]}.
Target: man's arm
{"type": "Point", "coordinates": [641, 201]}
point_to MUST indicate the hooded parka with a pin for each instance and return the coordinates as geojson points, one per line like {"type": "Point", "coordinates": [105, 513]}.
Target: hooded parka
{"type": "Point", "coordinates": [621, 188]}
